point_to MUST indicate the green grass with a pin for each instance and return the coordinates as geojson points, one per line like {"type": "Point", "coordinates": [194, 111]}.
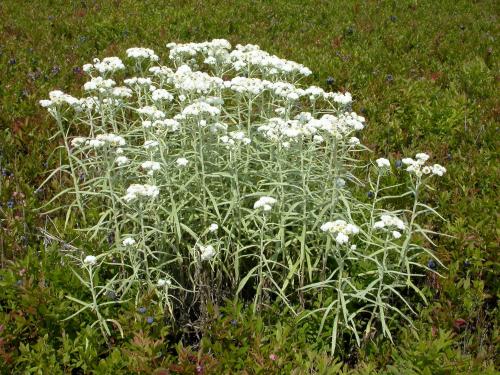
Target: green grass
{"type": "Point", "coordinates": [424, 74]}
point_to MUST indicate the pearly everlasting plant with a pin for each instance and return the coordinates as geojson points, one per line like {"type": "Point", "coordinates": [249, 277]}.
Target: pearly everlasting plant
{"type": "Point", "coordinates": [217, 173]}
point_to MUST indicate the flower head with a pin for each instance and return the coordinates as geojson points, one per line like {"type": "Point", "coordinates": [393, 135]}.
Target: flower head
{"type": "Point", "coordinates": [135, 191]}
{"type": "Point", "coordinates": [90, 260]}
{"type": "Point", "coordinates": [383, 163]}
{"type": "Point", "coordinates": [266, 203]}
{"type": "Point", "coordinates": [340, 229]}
{"type": "Point", "coordinates": [129, 241]}
{"type": "Point", "coordinates": [182, 162]}
{"type": "Point", "coordinates": [207, 252]}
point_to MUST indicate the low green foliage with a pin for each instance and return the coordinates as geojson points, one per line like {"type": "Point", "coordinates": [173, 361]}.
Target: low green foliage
{"type": "Point", "coordinates": [423, 73]}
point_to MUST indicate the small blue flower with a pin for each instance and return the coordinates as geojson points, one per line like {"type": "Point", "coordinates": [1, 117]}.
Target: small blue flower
{"type": "Point", "coordinates": [142, 310]}
{"type": "Point", "coordinates": [234, 322]}
{"type": "Point", "coordinates": [10, 203]}
{"type": "Point", "coordinates": [150, 320]}
{"type": "Point", "coordinates": [466, 263]}
{"type": "Point", "coordinates": [431, 264]}
{"type": "Point", "coordinates": [394, 18]}
{"type": "Point", "coordinates": [399, 163]}
{"type": "Point", "coordinates": [330, 81]}
{"type": "Point", "coordinates": [370, 194]}
{"type": "Point", "coordinates": [389, 78]}
{"type": "Point", "coordinates": [12, 61]}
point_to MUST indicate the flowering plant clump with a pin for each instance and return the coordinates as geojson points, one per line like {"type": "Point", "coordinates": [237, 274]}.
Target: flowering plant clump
{"type": "Point", "coordinates": [221, 173]}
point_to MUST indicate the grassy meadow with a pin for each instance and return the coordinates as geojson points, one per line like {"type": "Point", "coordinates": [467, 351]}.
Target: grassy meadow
{"type": "Point", "coordinates": [425, 76]}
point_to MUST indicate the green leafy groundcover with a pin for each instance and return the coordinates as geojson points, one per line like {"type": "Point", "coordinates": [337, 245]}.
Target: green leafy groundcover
{"type": "Point", "coordinates": [423, 74]}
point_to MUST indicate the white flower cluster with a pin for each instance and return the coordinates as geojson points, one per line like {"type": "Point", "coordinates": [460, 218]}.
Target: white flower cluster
{"type": "Point", "coordinates": [251, 55]}
{"type": "Point", "coordinates": [101, 140]}
{"type": "Point", "coordinates": [57, 98]}
{"type": "Point", "coordinates": [207, 252]}
{"type": "Point", "coordinates": [121, 92]}
{"type": "Point", "coordinates": [90, 260]}
{"type": "Point", "coordinates": [388, 221]}
{"type": "Point", "coordinates": [151, 112]}
{"type": "Point", "coordinates": [266, 203]}
{"type": "Point", "coordinates": [142, 53]}
{"type": "Point", "coordinates": [247, 86]}
{"type": "Point", "coordinates": [182, 162]}
{"type": "Point", "coordinates": [151, 167]}
{"type": "Point", "coordinates": [340, 229]}
{"type": "Point", "coordinates": [200, 108]}
{"type": "Point", "coordinates": [122, 160]}
{"type": "Point", "coordinates": [99, 84]}
{"type": "Point", "coordinates": [138, 82]}
{"type": "Point", "coordinates": [383, 163]}
{"type": "Point", "coordinates": [128, 241]}
{"type": "Point", "coordinates": [163, 282]}
{"type": "Point", "coordinates": [418, 167]}
{"type": "Point", "coordinates": [234, 139]}
{"type": "Point", "coordinates": [161, 71]}
{"type": "Point", "coordinates": [284, 131]}
{"type": "Point", "coordinates": [216, 49]}
{"type": "Point", "coordinates": [167, 124]}
{"type": "Point", "coordinates": [135, 191]}
{"type": "Point", "coordinates": [161, 95]}
{"type": "Point", "coordinates": [186, 80]}
{"type": "Point", "coordinates": [107, 65]}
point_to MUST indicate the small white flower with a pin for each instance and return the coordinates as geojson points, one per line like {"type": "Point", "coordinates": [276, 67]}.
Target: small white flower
{"type": "Point", "coordinates": [266, 203]}
{"type": "Point", "coordinates": [162, 282]}
{"type": "Point", "coordinates": [396, 234]}
{"type": "Point", "coordinates": [90, 260]}
{"type": "Point", "coordinates": [182, 162]}
{"type": "Point", "coordinates": [426, 170]}
{"type": "Point", "coordinates": [135, 191]}
{"type": "Point", "coordinates": [150, 166]}
{"type": "Point", "coordinates": [353, 247]}
{"type": "Point", "coordinates": [129, 241]}
{"type": "Point", "coordinates": [422, 156]}
{"type": "Point", "coordinates": [318, 139]}
{"type": "Point", "coordinates": [438, 170]}
{"type": "Point", "coordinates": [213, 227]}
{"type": "Point", "coordinates": [142, 53]}
{"type": "Point", "coordinates": [341, 238]}
{"type": "Point", "coordinates": [354, 141]}
{"type": "Point", "coordinates": [207, 252]}
{"type": "Point", "coordinates": [121, 160]}
{"type": "Point", "coordinates": [383, 163]}
{"type": "Point", "coordinates": [78, 141]}
{"type": "Point", "coordinates": [96, 143]}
